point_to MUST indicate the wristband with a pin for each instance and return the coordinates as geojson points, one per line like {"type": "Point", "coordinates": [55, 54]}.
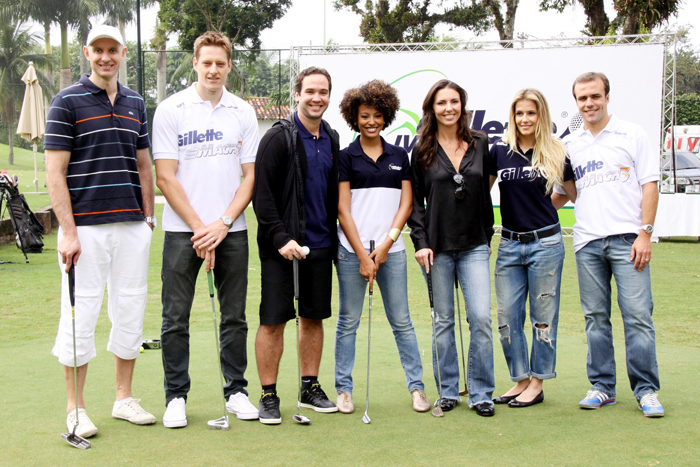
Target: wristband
{"type": "Point", "coordinates": [394, 234]}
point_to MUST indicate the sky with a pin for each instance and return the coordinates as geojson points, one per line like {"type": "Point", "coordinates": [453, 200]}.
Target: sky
{"type": "Point", "coordinates": [303, 24]}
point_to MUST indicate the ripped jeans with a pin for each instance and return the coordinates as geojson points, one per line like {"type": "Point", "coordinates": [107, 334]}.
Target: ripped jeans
{"type": "Point", "coordinates": [533, 269]}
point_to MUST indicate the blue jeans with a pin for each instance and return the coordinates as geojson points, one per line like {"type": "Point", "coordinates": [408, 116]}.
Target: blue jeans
{"type": "Point", "coordinates": [596, 263]}
{"type": "Point", "coordinates": [533, 269]}
{"type": "Point", "coordinates": [472, 269]}
{"type": "Point", "coordinates": [391, 279]}
{"type": "Point", "coordinates": [181, 266]}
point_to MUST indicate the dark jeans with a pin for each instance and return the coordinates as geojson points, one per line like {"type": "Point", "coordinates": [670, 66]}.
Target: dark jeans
{"type": "Point", "coordinates": [179, 274]}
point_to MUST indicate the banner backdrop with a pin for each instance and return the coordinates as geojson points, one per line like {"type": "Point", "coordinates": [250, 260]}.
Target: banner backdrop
{"type": "Point", "coordinates": [492, 77]}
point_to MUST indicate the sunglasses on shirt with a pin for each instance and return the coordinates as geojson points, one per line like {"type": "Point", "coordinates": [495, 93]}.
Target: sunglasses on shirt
{"type": "Point", "coordinates": [461, 187]}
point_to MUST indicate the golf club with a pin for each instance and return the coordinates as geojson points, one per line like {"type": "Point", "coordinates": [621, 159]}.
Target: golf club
{"type": "Point", "coordinates": [71, 438]}
{"type": "Point", "coordinates": [461, 339]}
{"type": "Point", "coordinates": [219, 423]}
{"type": "Point", "coordinates": [365, 417]}
{"type": "Point", "coordinates": [300, 419]}
{"type": "Point", "coordinates": [437, 411]}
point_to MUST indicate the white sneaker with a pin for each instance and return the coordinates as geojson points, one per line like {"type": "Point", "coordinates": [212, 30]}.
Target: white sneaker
{"type": "Point", "coordinates": [240, 405]}
{"type": "Point", "coordinates": [174, 416]}
{"type": "Point", "coordinates": [85, 428]}
{"type": "Point", "coordinates": [130, 410]}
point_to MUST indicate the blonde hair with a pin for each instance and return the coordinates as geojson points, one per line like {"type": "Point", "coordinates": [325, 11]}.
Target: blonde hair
{"type": "Point", "coordinates": [549, 153]}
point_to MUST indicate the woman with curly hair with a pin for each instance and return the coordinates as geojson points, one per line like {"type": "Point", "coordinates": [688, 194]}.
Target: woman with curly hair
{"type": "Point", "coordinates": [452, 226]}
{"type": "Point", "coordinates": [527, 163]}
{"type": "Point", "coordinates": [374, 203]}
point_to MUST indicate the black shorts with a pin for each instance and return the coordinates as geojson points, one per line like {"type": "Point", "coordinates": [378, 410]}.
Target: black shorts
{"type": "Point", "coordinates": [315, 287]}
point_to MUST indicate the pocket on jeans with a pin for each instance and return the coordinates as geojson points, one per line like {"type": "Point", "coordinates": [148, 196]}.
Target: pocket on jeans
{"type": "Point", "coordinates": [551, 242]}
{"type": "Point", "coordinates": [342, 253]}
{"type": "Point", "coordinates": [629, 238]}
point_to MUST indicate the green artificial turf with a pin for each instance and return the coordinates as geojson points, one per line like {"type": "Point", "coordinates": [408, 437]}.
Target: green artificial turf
{"type": "Point", "coordinates": [556, 432]}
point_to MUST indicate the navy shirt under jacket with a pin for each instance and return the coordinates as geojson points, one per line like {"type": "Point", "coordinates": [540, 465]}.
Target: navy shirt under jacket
{"type": "Point", "coordinates": [319, 158]}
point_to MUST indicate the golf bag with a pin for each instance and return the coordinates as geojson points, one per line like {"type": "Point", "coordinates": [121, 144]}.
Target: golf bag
{"type": "Point", "coordinates": [27, 227]}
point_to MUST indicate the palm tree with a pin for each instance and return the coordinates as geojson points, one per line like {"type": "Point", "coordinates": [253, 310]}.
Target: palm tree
{"type": "Point", "coordinates": [17, 43]}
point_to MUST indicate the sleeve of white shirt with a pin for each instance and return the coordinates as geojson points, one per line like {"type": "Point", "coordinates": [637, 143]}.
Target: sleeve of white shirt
{"type": "Point", "coordinates": [647, 161]}
{"type": "Point", "coordinates": [164, 133]}
{"type": "Point", "coordinates": [251, 137]}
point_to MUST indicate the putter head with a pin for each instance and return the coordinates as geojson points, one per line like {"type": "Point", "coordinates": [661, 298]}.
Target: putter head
{"type": "Point", "coordinates": [218, 424]}
{"type": "Point", "coordinates": [437, 410]}
{"type": "Point", "coordinates": [76, 441]}
{"type": "Point", "coordinates": [365, 419]}
{"type": "Point", "coordinates": [301, 420]}
{"type": "Point", "coordinates": [464, 392]}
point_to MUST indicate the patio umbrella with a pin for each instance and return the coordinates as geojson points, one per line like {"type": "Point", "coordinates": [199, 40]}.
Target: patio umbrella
{"type": "Point", "coordinates": [31, 118]}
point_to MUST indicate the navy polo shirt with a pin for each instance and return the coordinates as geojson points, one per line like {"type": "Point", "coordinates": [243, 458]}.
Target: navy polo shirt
{"type": "Point", "coordinates": [319, 160]}
{"type": "Point", "coordinates": [103, 178]}
{"type": "Point", "coordinates": [524, 204]}
{"type": "Point", "coordinates": [376, 190]}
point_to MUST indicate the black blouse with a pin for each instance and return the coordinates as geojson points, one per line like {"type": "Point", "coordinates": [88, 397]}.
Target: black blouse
{"type": "Point", "coordinates": [442, 222]}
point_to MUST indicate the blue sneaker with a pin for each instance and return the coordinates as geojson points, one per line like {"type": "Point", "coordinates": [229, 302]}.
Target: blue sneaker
{"type": "Point", "coordinates": [650, 405]}
{"type": "Point", "coordinates": [595, 399]}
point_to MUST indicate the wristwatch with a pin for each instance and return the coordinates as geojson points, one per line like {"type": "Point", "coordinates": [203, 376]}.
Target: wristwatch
{"type": "Point", "coordinates": [228, 222]}
{"type": "Point", "coordinates": [648, 228]}
{"type": "Point", "coordinates": [153, 220]}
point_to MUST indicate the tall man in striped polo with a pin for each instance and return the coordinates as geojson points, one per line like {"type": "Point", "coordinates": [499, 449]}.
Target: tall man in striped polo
{"type": "Point", "coordinates": [100, 180]}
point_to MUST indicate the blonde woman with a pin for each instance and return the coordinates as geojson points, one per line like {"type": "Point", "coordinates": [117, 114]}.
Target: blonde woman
{"type": "Point", "coordinates": [527, 163]}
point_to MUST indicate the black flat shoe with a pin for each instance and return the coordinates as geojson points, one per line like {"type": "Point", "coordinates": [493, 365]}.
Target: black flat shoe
{"type": "Point", "coordinates": [504, 399]}
{"type": "Point", "coordinates": [484, 409]}
{"type": "Point", "coordinates": [538, 399]}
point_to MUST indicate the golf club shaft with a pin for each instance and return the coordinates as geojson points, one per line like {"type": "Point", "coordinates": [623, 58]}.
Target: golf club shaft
{"type": "Point", "coordinates": [216, 336]}
{"type": "Point", "coordinates": [461, 339]}
{"type": "Point", "coordinates": [432, 318]}
{"type": "Point", "coordinates": [295, 274]}
{"type": "Point", "coordinates": [71, 294]}
{"type": "Point", "coordinates": [369, 328]}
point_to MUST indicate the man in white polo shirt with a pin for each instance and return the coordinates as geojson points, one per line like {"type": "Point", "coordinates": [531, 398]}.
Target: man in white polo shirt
{"type": "Point", "coordinates": [204, 140]}
{"type": "Point", "coordinates": [616, 172]}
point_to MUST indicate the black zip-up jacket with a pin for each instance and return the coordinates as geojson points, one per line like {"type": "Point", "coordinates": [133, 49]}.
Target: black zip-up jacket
{"type": "Point", "coordinates": [278, 194]}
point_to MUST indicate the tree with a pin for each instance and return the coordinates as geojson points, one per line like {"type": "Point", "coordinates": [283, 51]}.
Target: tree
{"type": "Point", "coordinates": [241, 20]}
{"type": "Point", "coordinates": [504, 25]}
{"type": "Point", "coordinates": [17, 44]}
{"type": "Point", "coordinates": [633, 16]}
{"type": "Point", "coordinates": [413, 20]}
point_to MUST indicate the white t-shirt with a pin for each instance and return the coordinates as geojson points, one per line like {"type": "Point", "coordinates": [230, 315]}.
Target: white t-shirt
{"type": "Point", "coordinates": [609, 171]}
{"type": "Point", "coordinates": [210, 144]}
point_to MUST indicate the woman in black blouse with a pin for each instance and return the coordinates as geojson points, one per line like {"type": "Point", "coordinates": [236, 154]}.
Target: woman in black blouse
{"type": "Point", "coordinates": [452, 226]}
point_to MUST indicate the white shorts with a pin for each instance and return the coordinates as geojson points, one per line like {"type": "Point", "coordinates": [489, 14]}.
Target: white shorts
{"type": "Point", "coordinates": [115, 255]}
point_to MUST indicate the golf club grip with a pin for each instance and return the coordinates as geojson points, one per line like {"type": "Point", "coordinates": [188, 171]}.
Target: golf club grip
{"type": "Point", "coordinates": [71, 285]}
{"type": "Point", "coordinates": [211, 283]}
{"type": "Point", "coordinates": [430, 290]}
{"type": "Point", "coordinates": [295, 274]}
{"type": "Point", "coordinates": [371, 250]}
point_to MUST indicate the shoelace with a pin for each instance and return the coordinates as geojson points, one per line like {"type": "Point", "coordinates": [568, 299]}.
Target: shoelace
{"type": "Point", "coordinates": [650, 400]}
{"type": "Point", "coordinates": [135, 407]}
{"type": "Point", "coordinates": [316, 391]}
{"type": "Point", "coordinates": [268, 400]}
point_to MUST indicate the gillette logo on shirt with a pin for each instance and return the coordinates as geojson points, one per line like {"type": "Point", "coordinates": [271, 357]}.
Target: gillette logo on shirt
{"type": "Point", "coordinates": [193, 137]}
{"type": "Point", "coordinates": [517, 173]}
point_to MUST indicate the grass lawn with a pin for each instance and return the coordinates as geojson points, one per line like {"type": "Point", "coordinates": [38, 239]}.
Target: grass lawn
{"type": "Point", "coordinates": [554, 433]}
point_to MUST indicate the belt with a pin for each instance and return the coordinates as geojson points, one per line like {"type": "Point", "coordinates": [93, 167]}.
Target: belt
{"type": "Point", "coordinates": [527, 237]}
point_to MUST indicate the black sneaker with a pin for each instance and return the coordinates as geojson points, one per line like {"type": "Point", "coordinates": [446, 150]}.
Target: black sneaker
{"type": "Point", "coordinates": [269, 408]}
{"type": "Point", "coordinates": [314, 398]}
{"type": "Point", "coordinates": [446, 404]}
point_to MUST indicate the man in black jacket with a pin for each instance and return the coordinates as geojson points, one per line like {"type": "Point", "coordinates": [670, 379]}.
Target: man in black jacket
{"type": "Point", "coordinates": [296, 202]}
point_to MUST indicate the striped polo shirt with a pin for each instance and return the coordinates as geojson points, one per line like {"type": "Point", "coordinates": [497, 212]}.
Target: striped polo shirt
{"type": "Point", "coordinates": [375, 188]}
{"type": "Point", "coordinates": [103, 179]}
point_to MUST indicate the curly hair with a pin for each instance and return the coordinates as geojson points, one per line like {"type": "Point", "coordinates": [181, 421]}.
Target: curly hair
{"type": "Point", "coordinates": [377, 94]}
